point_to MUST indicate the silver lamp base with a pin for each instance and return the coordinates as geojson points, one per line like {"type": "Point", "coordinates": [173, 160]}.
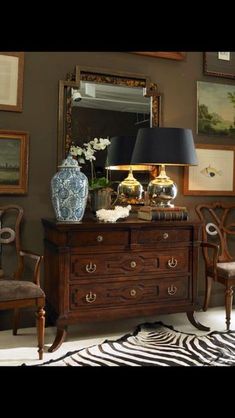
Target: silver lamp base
{"type": "Point", "coordinates": [162, 190]}
{"type": "Point", "coordinates": [130, 190]}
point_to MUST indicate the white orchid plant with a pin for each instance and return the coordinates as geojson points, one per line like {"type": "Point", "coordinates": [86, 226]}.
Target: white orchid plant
{"type": "Point", "coordinates": [87, 153]}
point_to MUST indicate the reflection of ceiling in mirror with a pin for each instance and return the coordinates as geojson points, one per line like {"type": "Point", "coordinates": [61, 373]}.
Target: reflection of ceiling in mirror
{"type": "Point", "coordinates": [111, 97]}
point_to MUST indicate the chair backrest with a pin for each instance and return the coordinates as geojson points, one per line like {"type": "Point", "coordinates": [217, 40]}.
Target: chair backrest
{"type": "Point", "coordinates": [10, 222]}
{"type": "Point", "coordinates": [218, 227]}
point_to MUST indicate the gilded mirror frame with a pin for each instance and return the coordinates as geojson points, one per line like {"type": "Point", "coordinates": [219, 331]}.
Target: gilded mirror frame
{"type": "Point", "coordinates": [99, 76]}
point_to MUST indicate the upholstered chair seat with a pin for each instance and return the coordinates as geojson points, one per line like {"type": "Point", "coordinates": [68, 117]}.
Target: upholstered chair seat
{"type": "Point", "coordinates": [226, 270]}
{"type": "Point", "coordinates": [17, 289]}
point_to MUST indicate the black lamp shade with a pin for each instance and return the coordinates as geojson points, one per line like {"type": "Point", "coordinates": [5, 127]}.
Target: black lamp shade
{"type": "Point", "coordinates": [119, 153]}
{"type": "Point", "coordinates": [164, 146]}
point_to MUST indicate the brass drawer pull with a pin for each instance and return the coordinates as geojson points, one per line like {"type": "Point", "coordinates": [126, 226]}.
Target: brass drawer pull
{"type": "Point", "coordinates": [90, 268]}
{"type": "Point", "coordinates": [172, 290]}
{"type": "Point", "coordinates": [133, 292]}
{"type": "Point", "coordinates": [90, 297]}
{"type": "Point", "coordinates": [99, 238]}
{"type": "Point", "coordinates": [133, 264]}
{"type": "Point", "coordinates": [165, 235]}
{"type": "Point", "coordinates": [172, 263]}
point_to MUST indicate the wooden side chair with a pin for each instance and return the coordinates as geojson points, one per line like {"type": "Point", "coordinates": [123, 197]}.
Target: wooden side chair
{"type": "Point", "coordinates": [16, 291]}
{"type": "Point", "coordinates": [218, 233]}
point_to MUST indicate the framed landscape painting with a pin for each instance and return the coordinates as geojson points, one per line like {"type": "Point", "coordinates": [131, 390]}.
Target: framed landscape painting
{"type": "Point", "coordinates": [215, 109]}
{"type": "Point", "coordinates": [215, 172]}
{"type": "Point", "coordinates": [14, 151]}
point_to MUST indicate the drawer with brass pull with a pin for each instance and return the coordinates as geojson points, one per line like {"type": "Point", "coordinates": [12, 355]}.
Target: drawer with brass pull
{"type": "Point", "coordinates": [155, 236]}
{"type": "Point", "coordinates": [98, 240]}
{"type": "Point", "coordinates": [128, 292]}
{"type": "Point", "coordinates": [129, 263]}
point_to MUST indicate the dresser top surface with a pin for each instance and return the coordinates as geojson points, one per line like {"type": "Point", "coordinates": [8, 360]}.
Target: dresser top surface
{"type": "Point", "coordinates": [131, 222]}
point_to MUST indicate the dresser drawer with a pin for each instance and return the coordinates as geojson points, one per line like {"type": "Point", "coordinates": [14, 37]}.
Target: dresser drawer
{"type": "Point", "coordinates": [128, 264]}
{"type": "Point", "coordinates": [88, 296]}
{"type": "Point", "coordinates": [149, 237]}
{"type": "Point", "coordinates": [99, 240]}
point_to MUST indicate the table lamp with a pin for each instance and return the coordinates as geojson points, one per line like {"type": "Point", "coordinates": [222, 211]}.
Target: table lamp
{"type": "Point", "coordinates": [119, 154]}
{"type": "Point", "coordinates": [163, 146]}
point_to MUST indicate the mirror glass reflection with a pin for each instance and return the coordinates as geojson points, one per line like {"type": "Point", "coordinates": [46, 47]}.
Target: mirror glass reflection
{"type": "Point", "coordinates": [96, 104]}
{"type": "Point", "coordinates": [105, 110]}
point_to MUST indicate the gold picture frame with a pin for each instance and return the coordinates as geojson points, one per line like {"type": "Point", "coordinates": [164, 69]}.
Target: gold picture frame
{"type": "Point", "coordinates": [14, 154]}
{"type": "Point", "coordinates": [174, 55]}
{"type": "Point", "coordinates": [11, 81]}
{"type": "Point", "coordinates": [215, 173]}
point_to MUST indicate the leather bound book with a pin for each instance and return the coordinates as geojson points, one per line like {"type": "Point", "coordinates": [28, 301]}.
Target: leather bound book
{"type": "Point", "coordinates": [164, 209]}
{"type": "Point", "coordinates": [163, 215]}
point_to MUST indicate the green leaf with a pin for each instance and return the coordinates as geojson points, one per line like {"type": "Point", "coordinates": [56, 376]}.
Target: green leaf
{"type": "Point", "coordinates": [99, 183]}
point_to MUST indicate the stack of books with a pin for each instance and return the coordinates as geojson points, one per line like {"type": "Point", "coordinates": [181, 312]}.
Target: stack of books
{"type": "Point", "coordinates": [154, 213]}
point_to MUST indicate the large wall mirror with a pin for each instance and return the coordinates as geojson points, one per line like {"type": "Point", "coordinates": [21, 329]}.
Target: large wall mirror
{"type": "Point", "coordinates": [96, 103]}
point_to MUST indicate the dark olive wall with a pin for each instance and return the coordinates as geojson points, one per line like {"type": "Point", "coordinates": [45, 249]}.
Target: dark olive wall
{"type": "Point", "coordinates": [43, 70]}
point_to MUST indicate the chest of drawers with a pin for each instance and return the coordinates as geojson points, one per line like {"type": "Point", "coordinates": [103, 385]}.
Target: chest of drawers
{"type": "Point", "coordinates": [99, 271]}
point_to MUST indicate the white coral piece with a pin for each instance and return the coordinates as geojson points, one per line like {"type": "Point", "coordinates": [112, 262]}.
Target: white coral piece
{"type": "Point", "coordinates": [111, 215]}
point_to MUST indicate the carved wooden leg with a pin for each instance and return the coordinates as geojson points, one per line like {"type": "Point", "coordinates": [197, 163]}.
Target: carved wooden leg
{"type": "Point", "coordinates": [16, 318]}
{"type": "Point", "coordinates": [195, 322]}
{"type": "Point", "coordinates": [228, 305]}
{"type": "Point", "coordinates": [209, 281]}
{"type": "Point", "coordinates": [41, 331]}
{"type": "Point", "coordinates": [59, 339]}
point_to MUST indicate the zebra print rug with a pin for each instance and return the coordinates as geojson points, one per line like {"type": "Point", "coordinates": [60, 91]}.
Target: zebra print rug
{"type": "Point", "coordinates": [156, 345]}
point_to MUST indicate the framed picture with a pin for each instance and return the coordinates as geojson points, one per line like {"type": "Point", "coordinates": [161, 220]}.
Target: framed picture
{"type": "Point", "coordinates": [14, 153]}
{"type": "Point", "coordinates": [11, 81]}
{"type": "Point", "coordinates": [219, 64]}
{"type": "Point", "coordinates": [214, 174]}
{"type": "Point", "coordinates": [179, 56]}
{"type": "Point", "coordinates": [215, 109]}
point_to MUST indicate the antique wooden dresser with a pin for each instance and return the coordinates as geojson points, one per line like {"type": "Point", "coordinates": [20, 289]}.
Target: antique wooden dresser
{"type": "Point", "coordinates": [103, 271]}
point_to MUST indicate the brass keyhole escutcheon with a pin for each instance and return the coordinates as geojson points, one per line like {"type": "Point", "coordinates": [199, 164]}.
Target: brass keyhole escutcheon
{"type": "Point", "coordinates": [90, 297]}
{"type": "Point", "coordinates": [165, 235]}
{"type": "Point", "coordinates": [133, 264]}
{"type": "Point", "coordinates": [133, 292]}
{"type": "Point", "coordinates": [99, 238]}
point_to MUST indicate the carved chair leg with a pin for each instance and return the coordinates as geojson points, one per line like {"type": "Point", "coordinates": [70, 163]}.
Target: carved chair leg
{"type": "Point", "coordinates": [228, 305]}
{"type": "Point", "coordinates": [209, 281]}
{"type": "Point", "coordinates": [41, 331]}
{"type": "Point", "coordinates": [16, 319]}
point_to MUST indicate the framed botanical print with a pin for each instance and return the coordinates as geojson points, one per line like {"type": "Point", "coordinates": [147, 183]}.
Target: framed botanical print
{"type": "Point", "coordinates": [219, 64]}
{"type": "Point", "coordinates": [11, 81]}
{"type": "Point", "coordinates": [215, 173]}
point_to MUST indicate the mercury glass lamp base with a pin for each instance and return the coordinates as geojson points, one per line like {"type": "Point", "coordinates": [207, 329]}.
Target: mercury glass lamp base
{"type": "Point", "coordinates": [161, 195]}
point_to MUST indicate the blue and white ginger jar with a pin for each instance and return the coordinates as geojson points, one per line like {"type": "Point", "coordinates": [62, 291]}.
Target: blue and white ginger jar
{"type": "Point", "coordinates": [69, 189]}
